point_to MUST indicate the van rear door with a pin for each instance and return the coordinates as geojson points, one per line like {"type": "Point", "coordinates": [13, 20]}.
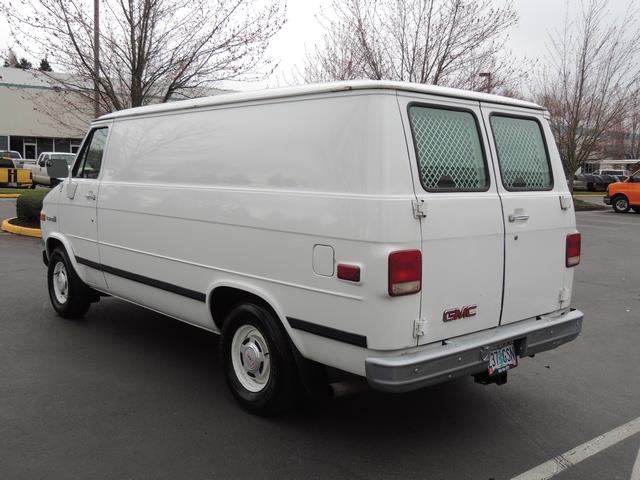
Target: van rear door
{"type": "Point", "coordinates": [462, 227]}
{"type": "Point", "coordinates": [538, 212]}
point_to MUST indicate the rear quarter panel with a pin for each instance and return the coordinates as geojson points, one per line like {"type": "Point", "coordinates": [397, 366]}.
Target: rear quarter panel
{"type": "Point", "coordinates": [242, 194]}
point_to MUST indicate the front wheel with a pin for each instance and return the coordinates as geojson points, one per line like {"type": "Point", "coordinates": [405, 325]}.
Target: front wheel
{"type": "Point", "coordinates": [69, 295]}
{"type": "Point", "coordinates": [620, 204]}
{"type": "Point", "coordinates": [257, 360]}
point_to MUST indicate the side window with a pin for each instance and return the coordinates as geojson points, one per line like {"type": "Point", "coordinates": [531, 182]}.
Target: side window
{"type": "Point", "coordinates": [90, 158]}
{"type": "Point", "coordinates": [43, 159]}
{"type": "Point", "coordinates": [522, 155]}
{"type": "Point", "coordinates": [448, 149]}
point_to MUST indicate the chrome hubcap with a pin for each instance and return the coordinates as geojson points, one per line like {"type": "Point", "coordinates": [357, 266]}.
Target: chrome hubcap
{"type": "Point", "coordinates": [250, 358]}
{"type": "Point", "coordinates": [60, 283]}
{"type": "Point", "coordinates": [621, 204]}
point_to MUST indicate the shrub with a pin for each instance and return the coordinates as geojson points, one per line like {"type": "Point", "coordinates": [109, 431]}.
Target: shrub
{"type": "Point", "coordinates": [29, 204]}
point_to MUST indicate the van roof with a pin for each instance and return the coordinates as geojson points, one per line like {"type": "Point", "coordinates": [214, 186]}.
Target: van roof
{"type": "Point", "coordinates": [275, 93]}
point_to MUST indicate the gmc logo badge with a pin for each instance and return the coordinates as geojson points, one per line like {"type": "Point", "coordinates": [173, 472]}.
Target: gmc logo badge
{"type": "Point", "coordinates": [458, 313]}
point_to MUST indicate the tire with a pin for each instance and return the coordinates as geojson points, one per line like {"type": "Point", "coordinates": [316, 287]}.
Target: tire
{"type": "Point", "coordinates": [257, 360]}
{"type": "Point", "coordinates": [620, 204]}
{"type": "Point", "coordinates": [70, 296]}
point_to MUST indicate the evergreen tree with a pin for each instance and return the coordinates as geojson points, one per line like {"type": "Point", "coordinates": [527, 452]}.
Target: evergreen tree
{"type": "Point", "coordinates": [45, 66]}
{"type": "Point", "coordinates": [24, 64]}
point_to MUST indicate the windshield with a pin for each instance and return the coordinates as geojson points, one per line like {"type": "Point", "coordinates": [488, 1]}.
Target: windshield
{"type": "Point", "coordinates": [67, 157]}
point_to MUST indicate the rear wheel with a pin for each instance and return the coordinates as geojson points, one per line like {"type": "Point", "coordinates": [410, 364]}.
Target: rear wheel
{"type": "Point", "coordinates": [620, 204]}
{"type": "Point", "coordinates": [70, 296]}
{"type": "Point", "coordinates": [257, 360]}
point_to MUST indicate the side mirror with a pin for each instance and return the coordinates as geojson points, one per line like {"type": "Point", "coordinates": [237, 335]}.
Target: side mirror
{"type": "Point", "coordinates": [57, 169]}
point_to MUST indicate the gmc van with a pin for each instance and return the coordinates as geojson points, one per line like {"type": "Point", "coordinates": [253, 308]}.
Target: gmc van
{"type": "Point", "coordinates": [405, 233]}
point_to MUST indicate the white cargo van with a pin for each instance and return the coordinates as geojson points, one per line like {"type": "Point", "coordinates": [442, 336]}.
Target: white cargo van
{"type": "Point", "coordinates": [405, 233]}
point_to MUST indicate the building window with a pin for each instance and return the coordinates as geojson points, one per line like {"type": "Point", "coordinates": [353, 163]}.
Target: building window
{"type": "Point", "coordinates": [4, 143]}
{"type": "Point", "coordinates": [45, 145]}
{"type": "Point", "coordinates": [62, 145]}
{"type": "Point", "coordinates": [16, 144]}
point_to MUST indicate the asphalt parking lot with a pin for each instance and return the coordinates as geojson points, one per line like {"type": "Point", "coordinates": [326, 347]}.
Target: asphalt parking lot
{"type": "Point", "coordinates": [130, 394]}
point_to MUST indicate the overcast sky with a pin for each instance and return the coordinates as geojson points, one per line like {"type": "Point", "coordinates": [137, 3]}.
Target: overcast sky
{"type": "Point", "coordinates": [302, 30]}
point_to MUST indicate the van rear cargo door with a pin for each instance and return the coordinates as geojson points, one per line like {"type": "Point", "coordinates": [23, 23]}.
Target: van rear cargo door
{"type": "Point", "coordinates": [538, 212]}
{"type": "Point", "coordinates": [462, 227]}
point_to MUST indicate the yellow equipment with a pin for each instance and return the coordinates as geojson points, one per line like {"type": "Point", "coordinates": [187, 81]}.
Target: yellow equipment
{"type": "Point", "coordinates": [10, 176]}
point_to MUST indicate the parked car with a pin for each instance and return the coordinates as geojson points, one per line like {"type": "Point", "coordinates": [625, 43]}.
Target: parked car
{"type": "Point", "coordinates": [625, 195]}
{"type": "Point", "coordinates": [598, 182]}
{"type": "Point", "coordinates": [405, 233]}
{"type": "Point", "coordinates": [579, 183]}
{"type": "Point", "coordinates": [51, 163]}
{"type": "Point", "coordinates": [12, 154]}
{"type": "Point", "coordinates": [13, 176]}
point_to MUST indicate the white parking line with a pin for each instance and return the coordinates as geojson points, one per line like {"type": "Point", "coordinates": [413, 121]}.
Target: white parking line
{"type": "Point", "coordinates": [572, 457]}
{"type": "Point", "coordinates": [635, 473]}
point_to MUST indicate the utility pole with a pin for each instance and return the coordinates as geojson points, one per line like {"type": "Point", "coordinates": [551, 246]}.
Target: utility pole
{"type": "Point", "coordinates": [96, 58]}
{"type": "Point", "coordinates": [486, 75]}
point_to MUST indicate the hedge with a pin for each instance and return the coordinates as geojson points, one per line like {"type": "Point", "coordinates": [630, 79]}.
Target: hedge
{"type": "Point", "coordinates": [29, 204]}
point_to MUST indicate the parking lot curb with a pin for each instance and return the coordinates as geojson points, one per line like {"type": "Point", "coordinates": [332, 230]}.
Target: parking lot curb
{"type": "Point", "coordinates": [10, 195]}
{"type": "Point", "coordinates": [26, 231]}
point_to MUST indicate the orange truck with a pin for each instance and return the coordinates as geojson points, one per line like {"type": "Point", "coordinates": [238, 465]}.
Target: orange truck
{"type": "Point", "coordinates": [11, 176]}
{"type": "Point", "coordinates": [624, 196]}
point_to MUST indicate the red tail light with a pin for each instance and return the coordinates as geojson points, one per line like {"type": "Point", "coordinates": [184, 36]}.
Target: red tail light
{"type": "Point", "coordinates": [573, 249]}
{"type": "Point", "coordinates": [405, 272]}
{"type": "Point", "coordinates": [43, 216]}
{"type": "Point", "coordinates": [349, 272]}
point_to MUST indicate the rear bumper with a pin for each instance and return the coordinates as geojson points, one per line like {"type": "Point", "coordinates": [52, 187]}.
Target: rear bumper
{"type": "Point", "coordinates": [469, 354]}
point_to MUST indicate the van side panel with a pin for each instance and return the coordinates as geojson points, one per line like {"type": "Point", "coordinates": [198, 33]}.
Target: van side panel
{"type": "Point", "coordinates": [242, 194]}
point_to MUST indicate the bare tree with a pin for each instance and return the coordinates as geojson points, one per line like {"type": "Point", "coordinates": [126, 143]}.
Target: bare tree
{"type": "Point", "coordinates": [441, 42]}
{"type": "Point", "coordinates": [11, 59]}
{"type": "Point", "coordinates": [150, 50]}
{"type": "Point", "coordinates": [591, 76]}
{"type": "Point", "coordinates": [632, 129]}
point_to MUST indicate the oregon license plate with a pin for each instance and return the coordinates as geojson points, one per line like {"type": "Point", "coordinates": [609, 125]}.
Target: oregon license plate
{"type": "Point", "coordinates": [502, 359]}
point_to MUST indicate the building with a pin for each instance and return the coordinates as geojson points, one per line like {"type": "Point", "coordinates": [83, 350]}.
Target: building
{"type": "Point", "coordinates": [37, 117]}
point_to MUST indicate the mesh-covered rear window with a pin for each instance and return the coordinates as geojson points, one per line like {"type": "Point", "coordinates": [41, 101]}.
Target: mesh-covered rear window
{"type": "Point", "coordinates": [523, 159]}
{"type": "Point", "coordinates": [448, 149]}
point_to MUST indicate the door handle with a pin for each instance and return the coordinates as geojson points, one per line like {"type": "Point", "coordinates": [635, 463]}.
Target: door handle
{"type": "Point", "coordinates": [513, 217]}
{"type": "Point", "coordinates": [90, 196]}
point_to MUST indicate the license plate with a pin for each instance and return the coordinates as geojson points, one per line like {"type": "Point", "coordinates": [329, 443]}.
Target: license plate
{"type": "Point", "coordinates": [502, 359]}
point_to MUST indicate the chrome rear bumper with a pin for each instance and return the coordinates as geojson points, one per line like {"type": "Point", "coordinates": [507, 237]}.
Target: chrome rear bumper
{"type": "Point", "coordinates": [469, 354]}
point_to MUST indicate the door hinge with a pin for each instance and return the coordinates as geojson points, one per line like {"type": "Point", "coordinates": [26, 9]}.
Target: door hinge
{"type": "Point", "coordinates": [419, 209]}
{"type": "Point", "coordinates": [565, 202]}
{"type": "Point", "coordinates": [418, 328]}
{"type": "Point", "coordinates": [563, 297]}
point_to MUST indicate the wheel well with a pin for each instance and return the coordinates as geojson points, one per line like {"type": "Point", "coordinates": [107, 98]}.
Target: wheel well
{"type": "Point", "coordinates": [615, 195]}
{"type": "Point", "coordinates": [52, 244]}
{"type": "Point", "coordinates": [223, 299]}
